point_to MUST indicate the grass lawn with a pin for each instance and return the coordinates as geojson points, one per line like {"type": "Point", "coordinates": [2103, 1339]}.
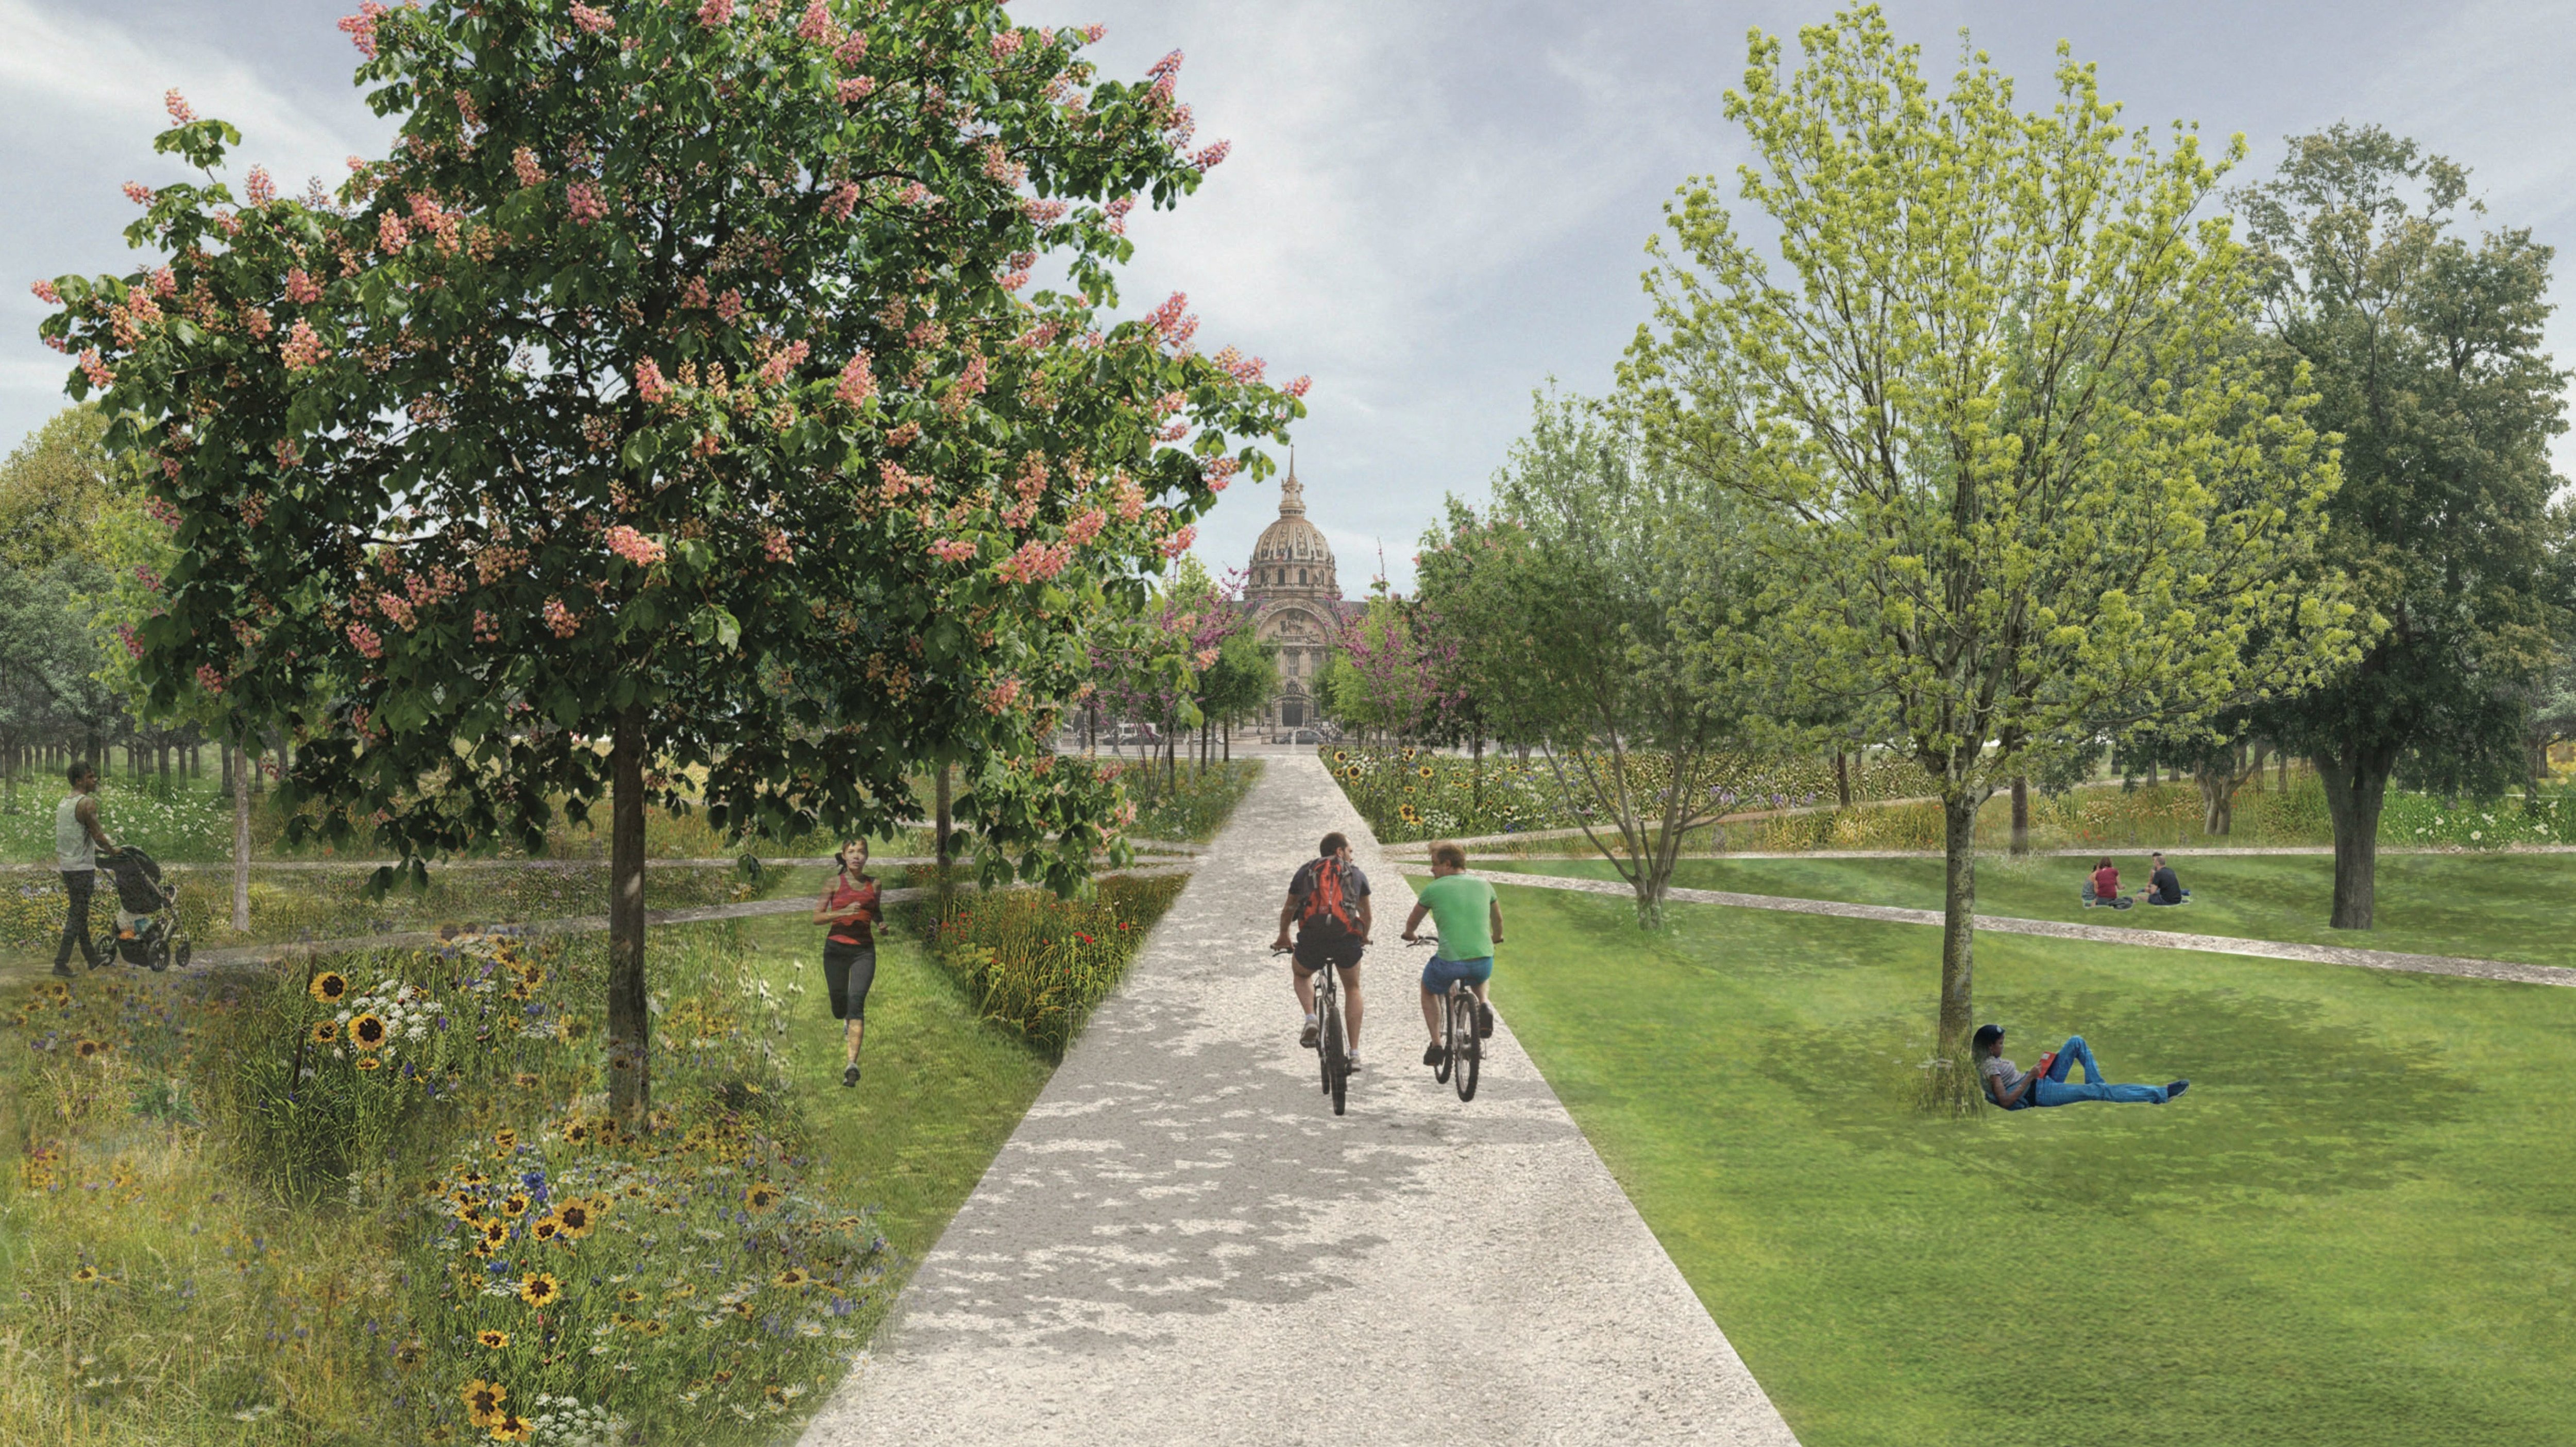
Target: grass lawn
{"type": "Point", "coordinates": [2354, 1230]}
{"type": "Point", "coordinates": [940, 1090]}
{"type": "Point", "coordinates": [2490, 906]}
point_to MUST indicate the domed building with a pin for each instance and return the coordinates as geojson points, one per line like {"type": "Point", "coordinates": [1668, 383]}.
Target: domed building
{"type": "Point", "coordinates": [1296, 603]}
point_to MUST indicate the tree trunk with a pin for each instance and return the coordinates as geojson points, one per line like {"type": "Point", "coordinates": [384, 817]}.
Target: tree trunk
{"type": "Point", "coordinates": [939, 820]}
{"type": "Point", "coordinates": [224, 756]}
{"type": "Point", "coordinates": [1229, 741]}
{"type": "Point", "coordinates": [1842, 779]}
{"type": "Point", "coordinates": [2285, 771]}
{"type": "Point", "coordinates": [630, 1085]}
{"type": "Point", "coordinates": [241, 846]}
{"type": "Point", "coordinates": [1956, 1088]}
{"type": "Point", "coordinates": [2020, 814]}
{"type": "Point", "coordinates": [2356, 787]}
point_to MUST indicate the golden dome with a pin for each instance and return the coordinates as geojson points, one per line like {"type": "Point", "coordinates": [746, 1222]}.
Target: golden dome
{"type": "Point", "coordinates": [1293, 542]}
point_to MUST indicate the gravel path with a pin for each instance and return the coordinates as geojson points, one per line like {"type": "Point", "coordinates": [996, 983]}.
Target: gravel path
{"type": "Point", "coordinates": [1181, 1243]}
{"type": "Point", "coordinates": [2059, 929]}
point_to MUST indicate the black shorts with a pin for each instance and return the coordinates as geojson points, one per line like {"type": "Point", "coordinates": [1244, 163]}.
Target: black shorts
{"type": "Point", "coordinates": [848, 971]}
{"type": "Point", "coordinates": [1314, 952]}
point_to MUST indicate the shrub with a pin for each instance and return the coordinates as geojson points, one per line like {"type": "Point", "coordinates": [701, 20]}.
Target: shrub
{"type": "Point", "coordinates": [1035, 963]}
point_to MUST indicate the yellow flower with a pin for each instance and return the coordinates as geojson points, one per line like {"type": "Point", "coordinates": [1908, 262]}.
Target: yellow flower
{"type": "Point", "coordinates": [544, 1228]}
{"type": "Point", "coordinates": [411, 1354]}
{"type": "Point", "coordinates": [367, 1032]}
{"type": "Point", "coordinates": [791, 1278]}
{"type": "Point", "coordinates": [576, 1219]}
{"type": "Point", "coordinates": [483, 1401]}
{"type": "Point", "coordinates": [540, 1289]}
{"type": "Point", "coordinates": [492, 1338]}
{"type": "Point", "coordinates": [761, 1197]}
{"type": "Point", "coordinates": [504, 1139]}
{"type": "Point", "coordinates": [371, 1063]}
{"type": "Point", "coordinates": [325, 1031]}
{"type": "Point", "coordinates": [511, 1427]}
{"type": "Point", "coordinates": [329, 987]}
{"type": "Point", "coordinates": [85, 1275]}
{"type": "Point", "coordinates": [515, 1204]}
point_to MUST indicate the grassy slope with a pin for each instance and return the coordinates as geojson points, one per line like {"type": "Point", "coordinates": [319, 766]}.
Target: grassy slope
{"type": "Point", "coordinates": [2492, 906]}
{"type": "Point", "coordinates": [2353, 1231]}
{"type": "Point", "coordinates": [940, 1092]}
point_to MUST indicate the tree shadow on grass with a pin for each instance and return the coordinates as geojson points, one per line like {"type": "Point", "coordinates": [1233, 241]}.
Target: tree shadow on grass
{"type": "Point", "coordinates": [2283, 1104]}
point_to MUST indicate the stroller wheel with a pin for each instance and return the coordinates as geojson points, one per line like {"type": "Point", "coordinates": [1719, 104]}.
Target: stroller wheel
{"type": "Point", "coordinates": [179, 950]}
{"type": "Point", "coordinates": [157, 955]}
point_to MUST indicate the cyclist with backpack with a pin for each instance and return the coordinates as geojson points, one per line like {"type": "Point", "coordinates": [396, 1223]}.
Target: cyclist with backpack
{"type": "Point", "coordinates": [1328, 902]}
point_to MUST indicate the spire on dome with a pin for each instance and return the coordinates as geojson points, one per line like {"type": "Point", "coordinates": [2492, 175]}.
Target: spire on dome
{"type": "Point", "coordinates": [1292, 493]}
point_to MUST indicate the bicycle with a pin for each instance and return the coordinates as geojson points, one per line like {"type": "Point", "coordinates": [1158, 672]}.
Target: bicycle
{"type": "Point", "coordinates": [1331, 1053]}
{"type": "Point", "coordinates": [1461, 1051]}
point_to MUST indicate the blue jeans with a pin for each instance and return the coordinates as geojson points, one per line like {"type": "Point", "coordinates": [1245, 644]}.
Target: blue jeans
{"type": "Point", "coordinates": [2052, 1089]}
{"type": "Point", "coordinates": [1437, 974]}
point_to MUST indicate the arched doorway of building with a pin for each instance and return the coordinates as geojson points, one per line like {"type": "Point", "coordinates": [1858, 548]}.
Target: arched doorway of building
{"type": "Point", "coordinates": [1292, 713]}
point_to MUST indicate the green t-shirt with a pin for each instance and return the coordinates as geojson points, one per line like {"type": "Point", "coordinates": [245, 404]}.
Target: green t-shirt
{"type": "Point", "coordinates": [1462, 909]}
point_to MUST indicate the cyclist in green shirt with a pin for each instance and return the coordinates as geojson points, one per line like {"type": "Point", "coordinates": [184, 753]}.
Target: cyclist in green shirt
{"type": "Point", "coordinates": [1471, 924]}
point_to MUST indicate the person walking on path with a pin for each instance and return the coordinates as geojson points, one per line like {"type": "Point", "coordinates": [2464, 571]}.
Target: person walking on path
{"type": "Point", "coordinates": [78, 837]}
{"type": "Point", "coordinates": [850, 948]}
{"type": "Point", "coordinates": [2015, 1089]}
{"type": "Point", "coordinates": [1470, 921]}
{"type": "Point", "coordinates": [1328, 902]}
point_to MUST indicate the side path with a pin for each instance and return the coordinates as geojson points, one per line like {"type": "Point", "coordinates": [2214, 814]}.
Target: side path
{"type": "Point", "coordinates": [2089, 933]}
{"type": "Point", "coordinates": [1181, 1243]}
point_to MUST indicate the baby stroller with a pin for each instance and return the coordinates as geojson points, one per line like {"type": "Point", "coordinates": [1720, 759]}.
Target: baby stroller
{"type": "Point", "coordinates": [147, 911]}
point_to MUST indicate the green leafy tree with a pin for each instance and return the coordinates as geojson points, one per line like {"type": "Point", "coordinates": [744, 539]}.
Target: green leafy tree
{"type": "Point", "coordinates": [2424, 346]}
{"type": "Point", "coordinates": [2031, 485]}
{"type": "Point", "coordinates": [1571, 609]}
{"type": "Point", "coordinates": [673, 398]}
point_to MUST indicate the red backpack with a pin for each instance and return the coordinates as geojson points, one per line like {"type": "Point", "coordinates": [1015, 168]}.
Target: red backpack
{"type": "Point", "coordinates": [1327, 911]}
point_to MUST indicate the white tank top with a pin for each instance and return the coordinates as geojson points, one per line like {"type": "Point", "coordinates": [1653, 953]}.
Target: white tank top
{"type": "Point", "coordinates": [73, 851]}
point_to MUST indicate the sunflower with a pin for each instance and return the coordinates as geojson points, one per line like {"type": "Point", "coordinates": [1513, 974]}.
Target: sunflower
{"type": "Point", "coordinates": [483, 1401]}
{"type": "Point", "coordinates": [473, 1178]}
{"type": "Point", "coordinates": [505, 1138]}
{"type": "Point", "coordinates": [325, 1031]}
{"type": "Point", "coordinates": [493, 1338]}
{"type": "Point", "coordinates": [88, 1048]}
{"type": "Point", "coordinates": [1426, 771]}
{"type": "Point", "coordinates": [1408, 814]}
{"type": "Point", "coordinates": [540, 1289]}
{"type": "Point", "coordinates": [411, 1354]}
{"type": "Point", "coordinates": [1341, 756]}
{"type": "Point", "coordinates": [511, 1427]}
{"type": "Point", "coordinates": [577, 1133]}
{"type": "Point", "coordinates": [515, 1204]}
{"type": "Point", "coordinates": [545, 1227]}
{"type": "Point", "coordinates": [791, 1278]}
{"type": "Point", "coordinates": [371, 1063]}
{"type": "Point", "coordinates": [367, 1032]}
{"type": "Point", "coordinates": [330, 987]}
{"type": "Point", "coordinates": [637, 1189]}
{"type": "Point", "coordinates": [496, 1232]}
{"type": "Point", "coordinates": [652, 1326]}
{"type": "Point", "coordinates": [630, 1296]}
{"type": "Point", "coordinates": [86, 1274]}
{"type": "Point", "coordinates": [761, 1196]}
{"type": "Point", "coordinates": [532, 975]}
{"type": "Point", "coordinates": [576, 1218]}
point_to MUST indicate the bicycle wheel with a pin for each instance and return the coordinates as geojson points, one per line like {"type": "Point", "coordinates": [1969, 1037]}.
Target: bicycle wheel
{"type": "Point", "coordinates": [1337, 1072]}
{"type": "Point", "coordinates": [1462, 1028]}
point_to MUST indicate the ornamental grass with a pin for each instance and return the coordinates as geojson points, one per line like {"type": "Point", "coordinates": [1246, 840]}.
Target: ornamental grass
{"type": "Point", "coordinates": [378, 1199]}
{"type": "Point", "coordinates": [1034, 963]}
{"type": "Point", "coordinates": [1411, 795]}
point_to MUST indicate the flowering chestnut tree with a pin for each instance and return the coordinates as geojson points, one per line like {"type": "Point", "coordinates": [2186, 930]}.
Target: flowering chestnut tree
{"type": "Point", "coordinates": [672, 413]}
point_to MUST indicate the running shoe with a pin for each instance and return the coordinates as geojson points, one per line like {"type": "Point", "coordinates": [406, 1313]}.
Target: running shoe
{"type": "Point", "coordinates": [1308, 1036]}
{"type": "Point", "coordinates": [1431, 1053]}
{"type": "Point", "coordinates": [1484, 1020]}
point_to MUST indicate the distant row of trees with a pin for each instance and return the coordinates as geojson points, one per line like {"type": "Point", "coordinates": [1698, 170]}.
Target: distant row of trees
{"type": "Point", "coordinates": [2023, 453]}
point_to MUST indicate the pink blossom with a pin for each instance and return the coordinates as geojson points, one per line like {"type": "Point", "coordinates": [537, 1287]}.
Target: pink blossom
{"type": "Point", "coordinates": [775, 370]}
{"type": "Point", "coordinates": [694, 292]}
{"type": "Point", "coordinates": [301, 288]}
{"type": "Point", "coordinates": [1043, 211]}
{"type": "Point", "coordinates": [1035, 562]}
{"type": "Point", "coordinates": [1179, 542]}
{"type": "Point", "coordinates": [302, 348]}
{"type": "Point", "coordinates": [524, 162]}
{"type": "Point", "coordinates": [1168, 66]}
{"type": "Point", "coordinates": [650, 383]}
{"type": "Point", "coordinates": [592, 22]}
{"type": "Point", "coordinates": [843, 200]}
{"type": "Point", "coordinates": [905, 435]}
{"type": "Point", "coordinates": [1007, 43]}
{"type": "Point", "coordinates": [999, 698]}
{"type": "Point", "coordinates": [486, 629]}
{"type": "Point", "coordinates": [1218, 472]}
{"type": "Point", "coordinates": [1212, 157]}
{"type": "Point", "coordinates": [1117, 212]}
{"type": "Point", "coordinates": [360, 28]}
{"type": "Point", "coordinates": [1036, 336]}
{"type": "Point", "coordinates": [1170, 325]}
{"type": "Point", "coordinates": [259, 187]}
{"type": "Point", "coordinates": [1206, 658]}
{"type": "Point", "coordinates": [1092, 33]}
{"type": "Point", "coordinates": [1130, 498]}
{"type": "Point", "coordinates": [561, 619]}
{"type": "Point", "coordinates": [208, 679]}
{"type": "Point", "coordinates": [138, 193]}
{"type": "Point", "coordinates": [976, 376]}
{"type": "Point", "coordinates": [715, 13]}
{"type": "Point", "coordinates": [1240, 368]}
{"type": "Point", "coordinates": [774, 543]}
{"type": "Point", "coordinates": [1173, 433]}
{"type": "Point", "coordinates": [857, 384]}
{"type": "Point", "coordinates": [853, 49]}
{"type": "Point", "coordinates": [587, 204]}
{"type": "Point", "coordinates": [97, 371]}
{"type": "Point", "coordinates": [398, 608]}
{"type": "Point", "coordinates": [729, 306]}
{"type": "Point", "coordinates": [999, 168]}
{"type": "Point", "coordinates": [364, 639]}
{"type": "Point", "coordinates": [173, 102]}
{"type": "Point", "coordinates": [817, 25]}
{"type": "Point", "coordinates": [1086, 527]}
{"type": "Point", "coordinates": [857, 88]}
{"type": "Point", "coordinates": [1013, 280]}
{"type": "Point", "coordinates": [916, 194]}
{"type": "Point", "coordinates": [952, 550]}
{"type": "Point", "coordinates": [634, 547]}
{"type": "Point", "coordinates": [45, 293]}
{"type": "Point", "coordinates": [165, 282]}
{"type": "Point", "coordinates": [391, 234]}
{"type": "Point", "coordinates": [1298, 387]}
{"type": "Point", "coordinates": [288, 453]}
{"type": "Point", "coordinates": [894, 481]}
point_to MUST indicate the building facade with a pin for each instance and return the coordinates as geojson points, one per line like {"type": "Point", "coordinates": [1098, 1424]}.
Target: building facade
{"type": "Point", "coordinates": [1296, 604]}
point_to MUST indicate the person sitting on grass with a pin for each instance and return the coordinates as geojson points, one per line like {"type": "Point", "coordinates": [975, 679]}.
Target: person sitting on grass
{"type": "Point", "coordinates": [1470, 921]}
{"type": "Point", "coordinates": [2164, 886]}
{"type": "Point", "coordinates": [2104, 887]}
{"type": "Point", "coordinates": [2016, 1089]}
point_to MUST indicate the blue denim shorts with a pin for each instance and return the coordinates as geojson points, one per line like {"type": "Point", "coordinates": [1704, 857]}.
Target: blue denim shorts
{"type": "Point", "coordinates": [1437, 974]}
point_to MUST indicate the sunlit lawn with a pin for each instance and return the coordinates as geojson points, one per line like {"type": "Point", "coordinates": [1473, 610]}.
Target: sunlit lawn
{"type": "Point", "coordinates": [2490, 906]}
{"type": "Point", "coordinates": [2355, 1229]}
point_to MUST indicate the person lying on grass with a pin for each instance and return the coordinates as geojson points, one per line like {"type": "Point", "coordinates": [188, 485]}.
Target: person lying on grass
{"type": "Point", "coordinates": [2015, 1089]}
{"type": "Point", "coordinates": [2164, 886]}
{"type": "Point", "coordinates": [2104, 887]}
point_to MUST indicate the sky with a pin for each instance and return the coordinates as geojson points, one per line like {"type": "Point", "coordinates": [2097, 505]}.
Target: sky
{"type": "Point", "coordinates": [1432, 207]}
